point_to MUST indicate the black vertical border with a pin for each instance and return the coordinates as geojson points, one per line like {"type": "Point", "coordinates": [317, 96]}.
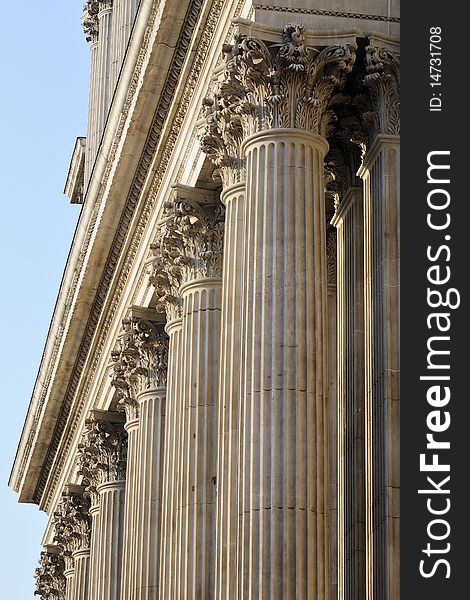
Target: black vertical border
{"type": "Point", "coordinates": [424, 131]}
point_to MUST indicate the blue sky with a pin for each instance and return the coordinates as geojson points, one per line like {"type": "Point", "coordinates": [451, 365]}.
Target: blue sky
{"type": "Point", "coordinates": [45, 70]}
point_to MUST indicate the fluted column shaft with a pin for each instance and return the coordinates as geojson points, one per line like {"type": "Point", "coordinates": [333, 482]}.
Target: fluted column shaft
{"type": "Point", "coordinates": [226, 567]}
{"type": "Point", "coordinates": [104, 92]}
{"type": "Point", "coordinates": [133, 476]}
{"type": "Point", "coordinates": [283, 476]}
{"type": "Point", "coordinates": [69, 583]}
{"type": "Point", "coordinates": [110, 520]}
{"type": "Point", "coordinates": [123, 18]}
{"type": "Point", "coordinates": [380, 173]}
{"type": "Point", "coordinates": [332, 437]}
{"type": "Point", "coordinates": [349, 221]}
{"type": "Point", "coordinates": [94, 547]}
{"type": "Point", "coordinates": [90, 148]}
{"type": "Point", "coordinates": [171, 463]}
{"type": "Point", "coordinates": [198, 460]}
{"type": "Point", "coordinates": [82, 573]}
{"type": "Point", "coordinates": [148, 509]}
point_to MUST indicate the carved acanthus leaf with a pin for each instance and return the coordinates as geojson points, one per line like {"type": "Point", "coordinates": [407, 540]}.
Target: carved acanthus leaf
{"type": "Point", "coordinates": [90, 20]}
{"type": "Point", "coordinates": [102, 455]}
{"type": "Point", "coordinates": [198, 236]}
{"type": "Point", "coordinates": [280, 85]}
{"type": "Point", "coordinates": [140, 361]}
{"type": "Point", "coordinates": [331, 255]}
{"type": "Point", "coordinates": [383, 79]}
{"type": "Point", "coordinates": [72, 525]}
{"type": "Point", "coordinates": [49, 576]}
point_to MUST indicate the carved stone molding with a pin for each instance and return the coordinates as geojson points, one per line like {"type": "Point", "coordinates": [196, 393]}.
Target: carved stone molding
{"type": "Point", "coordinates": [72, 524]}
{"type": "Point", "coordinates": [49, 576]}
{"type": "Point", "coordinates": [102, 455]}
{"type": "Point", "coordinates": [139, 361]}
{"type": "Point", "coordinates": [383, 79]}
{"type": "Point", "coordinates": [90, 20]}
{"type": "Point", "coordinates": [265, 86]}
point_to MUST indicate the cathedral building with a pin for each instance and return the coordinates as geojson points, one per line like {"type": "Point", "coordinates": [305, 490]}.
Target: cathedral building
{"type": "Point", "coordinates": [216, 413]}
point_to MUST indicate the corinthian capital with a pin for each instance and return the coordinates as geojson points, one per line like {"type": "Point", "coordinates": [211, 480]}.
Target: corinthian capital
{"type": "Point", "coordinates": [279, 85]}
{"type": "Point", "coordinates": [90, 20]}
{"type": "Point", "coordinates": [140, 361]}
{"type": "Point", "coordinates": [196, 220]}
{"type": "Point", "coordinates": [72, 524]}
{"type": "Point", "coordinates": [49, 576]}
{"type": "Point", "coordinates": [383, 79]}
{"type": "Point", "coordinates": [102, 455]}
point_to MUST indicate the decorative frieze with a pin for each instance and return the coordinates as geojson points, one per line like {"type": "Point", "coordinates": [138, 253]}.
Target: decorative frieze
{"type": "Point", "coordinates": [139, 361]}
{"type": "Point", "coordinates": [102, 456]}
{"type": "Point", "coordinates": [49, 576]}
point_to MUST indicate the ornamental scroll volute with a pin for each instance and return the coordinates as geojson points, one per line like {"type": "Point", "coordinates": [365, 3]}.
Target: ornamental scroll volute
{"type": "Point", "coordinates": [268, 86]}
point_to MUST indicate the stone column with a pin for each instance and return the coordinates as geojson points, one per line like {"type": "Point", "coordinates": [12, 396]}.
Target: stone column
{"type": "Point", "coordinates": [90, 27]}
{"type": "Point", "coordinates": [141, 373]}
{"type": "Point", "coordinates": [381, 173]}
{"type": "Point", "coordinates": [331, 304]}
{"type": "Point", "coordinates": [196, 219]}
{"type": "Point", "coordinates": [283, 478]}
{"type": "Point", "coordinates": [72, 525]}
{"type": "Point", "coordinates": [281, 94]}
{"type": "Point", "coordinates": [351, 451]}
{"type": "Point", "coordinates": [165, 276]}
{"type": "Point", "coordinates": [125, 360]}
{"type": "Point", "coordinates": [123, 19]}
{"type": "Point", "coordinates": [81, 560]}
{"type": "Point", "coordinates": [104, 92]}
{"type": "Point", "coordinates": [221, 136]}
{"type": "Point", "coordinates": [102, 459]}
{"type": "Point", "coordinates": [49, 576]}
{"type": "Point", "coordinates": [229, 396]}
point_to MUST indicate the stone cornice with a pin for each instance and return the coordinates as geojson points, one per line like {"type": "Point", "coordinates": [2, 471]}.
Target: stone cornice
{"type": "Point", "coordinates": [36, 477]}
{"type": "Point", "coordinates": [108, 209]}
{"type": "Point", "coordinates": [74, 183]}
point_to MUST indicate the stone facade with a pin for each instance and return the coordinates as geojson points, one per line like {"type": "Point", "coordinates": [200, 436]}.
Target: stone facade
{"type": "Point", "coordinates": [216, 413]}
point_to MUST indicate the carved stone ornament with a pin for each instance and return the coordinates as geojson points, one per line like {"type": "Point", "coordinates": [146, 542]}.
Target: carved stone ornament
{"type": "Point", "coordinates": [280, 85]}
{"type": "Point", "coordinates": [90, 20]}
{"type": "Point", "coordinates": [102, 456]}
{"type": "Point", "coordinates": [139, 362]}
{"type": "Point", "coordinates": [189, 246]}
{"type": "Point", "coordinates": [72, 525]}
{"type": "Point", "coordinates": [383, 79]}
{"type": "Point", "coordinates": [49, 576]}
{"type": "Point", "coordinates": [197, 231]}
{"type": "Point", "coordinates": [331, 255]}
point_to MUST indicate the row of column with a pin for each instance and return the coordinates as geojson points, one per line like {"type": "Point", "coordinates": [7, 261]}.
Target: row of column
{"type": "Point", "coordinates": [107, 25]}
{"type": "Point", "coordinates": [367, 222]}
{"type": "Point", "coordinates": [227, 440]}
